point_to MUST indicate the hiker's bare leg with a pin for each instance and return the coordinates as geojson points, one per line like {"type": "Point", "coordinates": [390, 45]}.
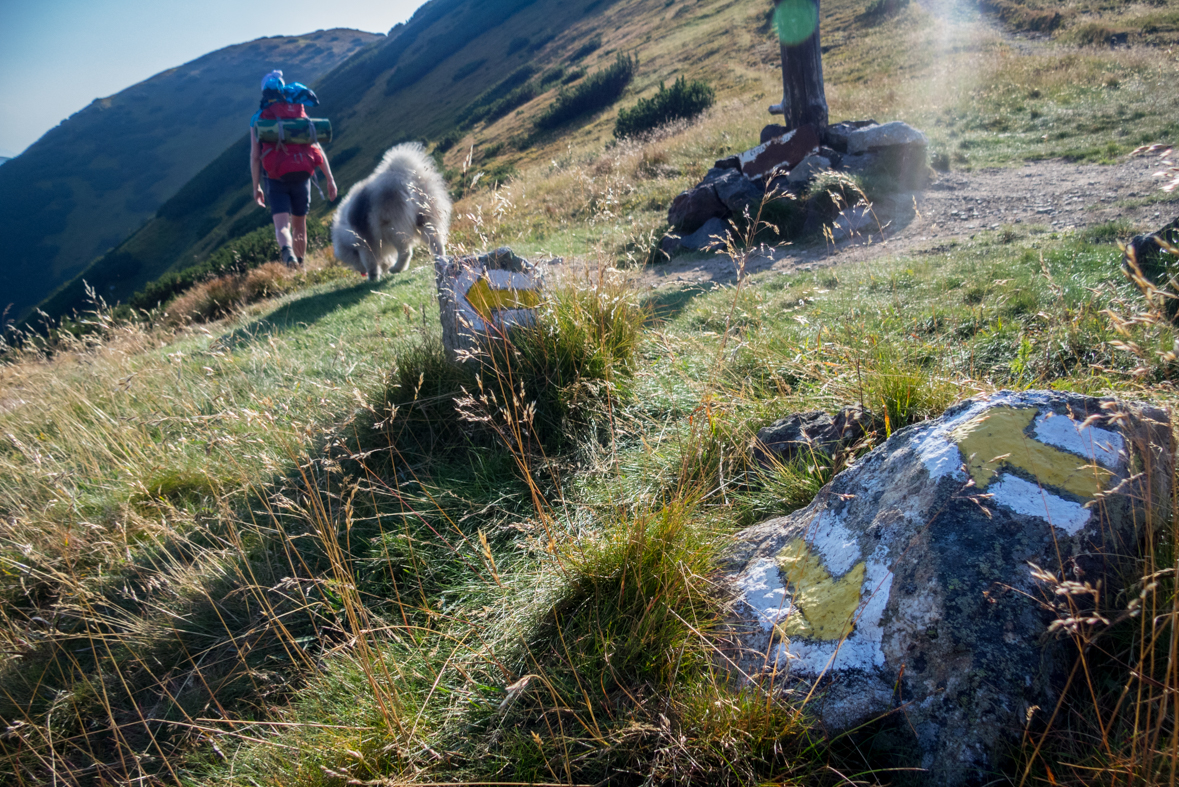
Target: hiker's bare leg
{"type": "Point", "coordinates": [282, 229]}
{"type": "Point", "coordinates": [299, 228]}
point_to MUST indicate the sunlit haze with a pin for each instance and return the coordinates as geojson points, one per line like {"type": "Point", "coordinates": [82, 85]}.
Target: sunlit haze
{"type": "Point", "coordinates": [57, 56]}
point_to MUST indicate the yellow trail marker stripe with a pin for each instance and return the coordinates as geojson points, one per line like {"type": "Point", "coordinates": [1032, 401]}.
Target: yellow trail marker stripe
{"type": "Point", "coordinates": [828, 605]}
{"type": "Point", "coordinates": [484, 299]}
{"type": "Point", "coordinates": [999, 438]}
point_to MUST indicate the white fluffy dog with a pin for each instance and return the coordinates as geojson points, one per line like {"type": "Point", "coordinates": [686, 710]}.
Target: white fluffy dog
{"type": "Point", "coordinates": [404, 201]}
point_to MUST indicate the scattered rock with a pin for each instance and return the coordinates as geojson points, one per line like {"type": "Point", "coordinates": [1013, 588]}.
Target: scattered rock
{"type": "Point", "coordinates": [483, 296]}
{"type": "Point", "coordinates": [732, 162]}
{"type": "Point", "coordinates": [713, 235]}
{"type": "Point", "coordinates": [772, 131]}
{"type": "Point", "coordinates": [1156, 264]}
{"type": "Point", "coordinates": [1150, 254]}
{"type": "Point", "coordinates": [862, 164]}
{"type": "Point", "coordinates": [713, 175]}
{"type": "Point", "coordinates": [693, 207]}
{"type": "Point", "coordinates": [782, 152]}
{"type": "Point", "coordinates": [906, 166]}
{"type": "Point", "coordinates": [906, 583]}
{"type": "Point", "coordinates": [809, 167]}
{"type": "Point", "coordinates": [669, 244]}
{"type": "Point", "coordinates": [836, 135]}
{"type": "Point", "coordinates": [738, 192]}
{"type": "Point", "coordinates": [807, 433]}
{"type": "Point", "coordinates": [888, 135]}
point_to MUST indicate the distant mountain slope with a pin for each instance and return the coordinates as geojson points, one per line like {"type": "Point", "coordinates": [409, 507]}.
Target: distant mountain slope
{"type": "Point", "coordinates": [419, 83]}
{"type": "Point", "coordinates": [96, 177]}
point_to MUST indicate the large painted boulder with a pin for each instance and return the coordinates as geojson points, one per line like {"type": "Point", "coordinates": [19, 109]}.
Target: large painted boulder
{"type": "Point", "coordinates": [908, 585]}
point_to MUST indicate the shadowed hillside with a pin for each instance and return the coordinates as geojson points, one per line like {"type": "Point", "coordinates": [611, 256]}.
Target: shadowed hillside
{"type": "Point", "coordinates": [87, 183]}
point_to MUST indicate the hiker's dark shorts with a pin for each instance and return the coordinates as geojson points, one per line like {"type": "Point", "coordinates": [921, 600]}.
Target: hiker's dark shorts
{"type": "Point", "coordinates": [291, 194]}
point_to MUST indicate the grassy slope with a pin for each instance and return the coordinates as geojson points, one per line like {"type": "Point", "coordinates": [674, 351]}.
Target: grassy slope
{"type": "Point", "coordinates": [240, 580]}
{"type": "Point", "coordinates": [89, 182]}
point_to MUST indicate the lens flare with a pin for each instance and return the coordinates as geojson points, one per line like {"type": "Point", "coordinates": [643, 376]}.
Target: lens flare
{"type": "Point", "coordinates": [796, 21]}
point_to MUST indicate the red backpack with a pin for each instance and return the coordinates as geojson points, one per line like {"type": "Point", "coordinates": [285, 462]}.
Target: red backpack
{"type": "Point", "coordinates": [283, 158]}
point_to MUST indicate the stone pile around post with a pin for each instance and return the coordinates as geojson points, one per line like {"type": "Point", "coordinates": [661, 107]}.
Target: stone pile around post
{"type": "Point", "coordinates": [481, 298]}
{"type": "Point", "coordinates": [785, 163]}
{"type": "Point", "coordinates": [922, 582]}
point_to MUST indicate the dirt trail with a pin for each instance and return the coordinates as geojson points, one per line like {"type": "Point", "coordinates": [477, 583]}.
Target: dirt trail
{"type": "Point", "coordinates": [1053, 195]}
{"type": "Point", "coordinates": [957, 205]}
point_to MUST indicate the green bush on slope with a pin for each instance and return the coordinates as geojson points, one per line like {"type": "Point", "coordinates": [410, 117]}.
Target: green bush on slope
{"type": "Point", "coordinates": [683, 99]}
{"type": "Point", "coordinates": [596, 92]}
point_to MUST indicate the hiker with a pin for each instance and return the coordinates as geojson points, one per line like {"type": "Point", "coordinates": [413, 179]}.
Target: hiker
{"type": "Point", "coordinates": [282, 172]}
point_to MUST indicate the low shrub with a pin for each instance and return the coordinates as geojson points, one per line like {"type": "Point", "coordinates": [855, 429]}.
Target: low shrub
{"type": "Point", "coordinates": [596, 92]}
{"type": "Point", "coordinates": [224, 295]}
{"type": "Point", "coordinates": [468, 69]}
{"type": "Point", "coordinates": [236, 257]}
{"type": "Point", "coordinates": [516, 98]}
{"type": "Point", "coordinates": [682, 100]}
{"type": "Point", "coordinates": [586, 49]}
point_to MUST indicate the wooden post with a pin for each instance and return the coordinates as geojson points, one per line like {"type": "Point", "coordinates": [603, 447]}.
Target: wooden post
{"type": "Point", "coordinates": [804, 101]}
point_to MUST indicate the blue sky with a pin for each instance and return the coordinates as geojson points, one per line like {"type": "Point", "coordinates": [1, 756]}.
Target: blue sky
{"type": "Point", "coordinates": [56, 56]}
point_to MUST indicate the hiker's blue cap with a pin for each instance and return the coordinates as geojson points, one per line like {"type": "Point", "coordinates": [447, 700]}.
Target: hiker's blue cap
{"type": "Point", "coordinates": [272, 81]}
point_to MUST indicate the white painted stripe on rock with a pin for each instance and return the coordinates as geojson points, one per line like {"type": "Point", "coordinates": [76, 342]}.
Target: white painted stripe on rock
{"type": "Point", "coordinates": [938, 452]}
{"type": "Point", "coordinates": [828, 536]}
{"type": "Point", "coordinates": [1091, 442]}
{"type": "Point", "coordinates": [763, 590]}
{"type": "Point", "coordinates": [1029, 499]}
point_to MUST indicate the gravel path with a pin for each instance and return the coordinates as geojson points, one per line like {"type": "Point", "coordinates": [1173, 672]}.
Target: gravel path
{"type": "Point", "coordinates": [1048, 195]}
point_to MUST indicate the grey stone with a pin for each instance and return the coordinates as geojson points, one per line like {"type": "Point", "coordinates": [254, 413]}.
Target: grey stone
{"type": "Point", "coordinates": [804, 434]}
{"type": "Point", "coordinates": [884, 136]}
{"type": "Point", "coordinates": [470, 320]}
{"type": "Point", "coordinates": [669, 244]}
{"type": "Point", "coordinates": [737, 192]}
{"type": "Point", "coordinates": [691, 208]}
{"type": "Point", "coordinates": [836, 135]}
{"type": "Point", "coordinates": [861, 164]}
{"type": "Point", "coordinates": [710, 237]}
{"type": "Point", "coordinates": [809, 167]}
{"type": "Point", "coordinates": [772, 131]}
{"type": "Point", "coordinates": [906, 583]}
{"type": "Point", "coordinates": [905, 166]}
{"type": "Point", "coordinates": [1153, 255]}
{"type": "Point", "coordinates": [730, 162]}
{"type": "Point", "coordinates": [713, 175]}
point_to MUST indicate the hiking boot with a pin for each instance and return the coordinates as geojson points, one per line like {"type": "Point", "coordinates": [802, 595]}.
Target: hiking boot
{"type": "Point", "coordinates": [300, 261]}
{"type": "Point", "coordinates": [288, 257]}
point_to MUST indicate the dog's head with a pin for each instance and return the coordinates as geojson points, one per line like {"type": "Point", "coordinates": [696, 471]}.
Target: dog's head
{"type": "Point", "coordinates": [346, 245]}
